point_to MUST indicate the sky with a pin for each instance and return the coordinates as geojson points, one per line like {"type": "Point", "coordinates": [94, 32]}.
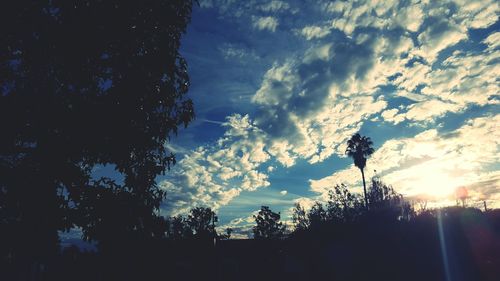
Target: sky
{"type": "Point", "coordinates": [280, 86]}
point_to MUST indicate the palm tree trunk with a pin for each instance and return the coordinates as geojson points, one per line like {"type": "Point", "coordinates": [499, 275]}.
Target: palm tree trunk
{"type": "Point", "coordinates": [364, 188]}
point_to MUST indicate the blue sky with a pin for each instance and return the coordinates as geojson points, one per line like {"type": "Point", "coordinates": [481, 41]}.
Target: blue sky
{"type": "Point", "coordinates": [279, 86]}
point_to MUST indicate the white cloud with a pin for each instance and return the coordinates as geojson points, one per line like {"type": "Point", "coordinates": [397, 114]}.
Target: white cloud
{"type": "Point", "coordinates": [463, 79]}
{"type": "Point", "coordinates": [477, 14]}
{"type": "Point", "coordinates": [429, 109]}
{"type": "Point", "coordinates": [411, 17]}
{"type": "Point", "coordinates": [391, 115]}
{"type": "Point", "coordinates": [312, 32]}
{"type": "Point", "coordinates": [233, 51]}
{"type": "Point", "coordinates": [337, 6]}
{"type": "Point", "coordinates": [493, 40]}
{"type": "Point", "coordinates": [213, 175]}
{"type": "Point", "coordinates": [242, 227]}
{"type": "Point", "coordinates": [265, 23]}
{"type": "Point", "coordinates": [277, 84]}
{"type": "Point", "coordinates": [280, 150]}
{"type": "Point", "coordinates": [311, 105]}
{"type": "Point", "coordinates": [438, 37]}
{"type": "Point", "coordinates": [274, 6]}
{"type": "Point", "coordinates": [413, 76]}
{"type": "Point", "coordinates": [305, 202]}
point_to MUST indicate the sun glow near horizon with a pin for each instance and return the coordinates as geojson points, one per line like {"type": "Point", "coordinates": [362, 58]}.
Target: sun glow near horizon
{"type": "Point", "coordinates": [432, 165]}
{"type": "Point", "coordinates": [430, 179]}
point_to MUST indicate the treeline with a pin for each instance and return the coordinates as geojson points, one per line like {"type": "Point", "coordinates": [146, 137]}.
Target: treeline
{"type": "Point", "coordinates": [340, 239]}
{"type": "Point", "coordinates": [342, 206]}
{"type": "Point", "coordinates": [199, 224]}
{"type": "Point", "coordinates": [346, 207]}
{"type": "Point", "coordinates": [382, 238]}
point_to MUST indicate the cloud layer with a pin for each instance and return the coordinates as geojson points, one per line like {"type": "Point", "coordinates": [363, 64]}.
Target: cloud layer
{"type": "Point", "coordinates": [403, 63]}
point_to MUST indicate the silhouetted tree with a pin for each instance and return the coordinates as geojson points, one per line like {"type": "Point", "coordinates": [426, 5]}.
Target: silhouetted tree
{"type": "Point", "coordinates": [177, 228]}
{"type": "Point", "coordinates": [299, 218]}
{"type": "Point", "coordinates": [85, 83]}
{"type": "Point", "coordinates": [359, 148]}
{"type": "Point", "coordinates": [202, 222]}
{"type": "Point", "coordinates": [199, 224]}
{"type": "Point", "coordinates": [268, 224]}
{"type": "Point", "coordinates": [343, 205]}
{"type": "Point", "coordinates": [227, 235]}
{"type": "Point", "coordinates": [385, 201]}
{"type": "Point", "coordinates": [317, 215]}
{"type": "Point", "coordinates": [421, 202]}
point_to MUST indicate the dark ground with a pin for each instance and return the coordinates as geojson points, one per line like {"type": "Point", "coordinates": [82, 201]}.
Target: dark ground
{"type": "Point", "coordinates": [368, 250]}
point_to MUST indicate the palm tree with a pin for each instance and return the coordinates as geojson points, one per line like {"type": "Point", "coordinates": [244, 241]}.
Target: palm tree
{"type": "Point", "coordinates": [359, 148]}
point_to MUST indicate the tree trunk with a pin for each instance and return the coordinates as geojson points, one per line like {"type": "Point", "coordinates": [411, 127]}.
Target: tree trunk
{"type": "Point", "coordinates": [364, 188]}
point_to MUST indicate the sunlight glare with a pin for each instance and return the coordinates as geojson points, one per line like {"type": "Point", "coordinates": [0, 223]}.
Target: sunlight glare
{"type": "Point", "coordinates": [438, 184]}
{"type": "Point", "coordinates": [431, 178]}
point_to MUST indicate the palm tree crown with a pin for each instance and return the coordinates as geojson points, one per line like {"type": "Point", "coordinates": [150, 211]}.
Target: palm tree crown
{"type": "Point", "coordinates": [359, 148]}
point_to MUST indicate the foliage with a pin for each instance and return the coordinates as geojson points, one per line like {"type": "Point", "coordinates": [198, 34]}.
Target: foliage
{"type": "Point", "coordinates": [199, 224]}
{"type": "Point", "coordinates": [385, 201]}
{"type": "Point", "coordinates": [83, 84]}
{"type": "Point", "coordinates": [359, 148]}
{"type": "Point", "coordinates": [202, 222]}
{"type": "Point", "coordinates": [299, 218]}
{"type": "Point", "coordinates": [177, 228]}
{"type": "Point", "coordinates": [384, 250]}
{"type": "Point", "coordinates": [342, 205]}
{"type": "Point", "coordinates": [382, 195]}
{"type": "Point", "coordinates": [268, 225]}
{"type": "Point", "coordinates": [317, 215]}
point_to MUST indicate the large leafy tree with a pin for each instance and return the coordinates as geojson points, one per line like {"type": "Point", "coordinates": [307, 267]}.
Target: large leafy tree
{"type": "Point", "coordinates": [359, 148]}
{"type": "Point", "coordinates": [86, 83]}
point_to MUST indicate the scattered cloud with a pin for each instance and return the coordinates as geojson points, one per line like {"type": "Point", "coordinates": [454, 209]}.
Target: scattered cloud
{"type": "Point", "coordinates": [274, 6]}
{"type": "Point", "coordinates": [391, 115]}
{"type": "Point", "coordinates": [493, 41]}
{"type": "Point", "coordinates": [242, 227]}
{"type": "Point", "coordinates": [305, 202]}
{"type": "Point", "coordinates": [438, 36]}
{"type": "Point", "coordinates": [265, 23]}
{"type": "Point", "coordinates": [313, 32]}
{"type": "Point", "coordinates": [213, 175]}
{"type": "Point", "coordinates": [334, 78]}
{"type": "Point", "coordinates": [237, 53]}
